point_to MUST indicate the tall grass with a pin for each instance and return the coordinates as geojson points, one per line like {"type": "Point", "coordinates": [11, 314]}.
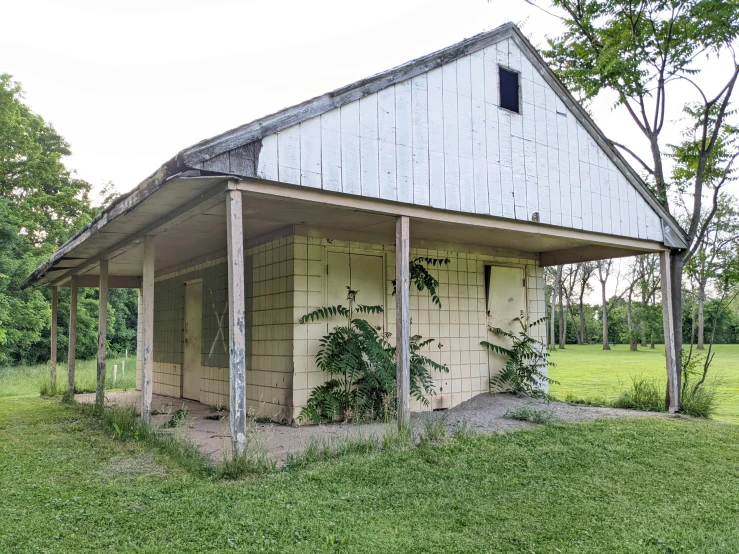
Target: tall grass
{"type": "Point", "coordinates": [644, 394]}
{"type": "Point", "coordinates": [702, 402]}
{"type": "Point", "coordinates": [24, 380]}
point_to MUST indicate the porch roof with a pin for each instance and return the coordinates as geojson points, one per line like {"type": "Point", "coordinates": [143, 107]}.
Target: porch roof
{"type": "Point", "coordinates": [187, 213]}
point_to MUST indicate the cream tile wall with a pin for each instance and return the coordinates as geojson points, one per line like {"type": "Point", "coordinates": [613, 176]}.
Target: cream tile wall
{"type": "Point", "coordinates": [286, 278]}
{"type": "Point", "coordinates": [269, 311]}
{"type": "Point", "coordinates": [458, 327]}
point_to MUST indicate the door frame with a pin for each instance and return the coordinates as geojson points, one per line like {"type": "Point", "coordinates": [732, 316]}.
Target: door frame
{"type": "Point", "coordinates": [185, 284]}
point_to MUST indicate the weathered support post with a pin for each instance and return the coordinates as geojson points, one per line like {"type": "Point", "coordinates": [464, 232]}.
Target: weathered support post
{"type": "Point", "coordinates": [102, 335]}
{"type": "Point", "coordinates": [673, 386]}
{"type": "Point", "coordinates": [236, 320]}
{"type": "Point", "coordinates": [52, 360]}
{"type": "Point", "coordinates": [71, 352]}
{"type": "Point", "coordinates": [402, 319]}
{"type": "Point", "coordinates": [147, 335]}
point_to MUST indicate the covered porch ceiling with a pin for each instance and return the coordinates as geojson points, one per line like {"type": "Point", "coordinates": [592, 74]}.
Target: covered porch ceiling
{"type": "Point", "coordinates": [188, 216]}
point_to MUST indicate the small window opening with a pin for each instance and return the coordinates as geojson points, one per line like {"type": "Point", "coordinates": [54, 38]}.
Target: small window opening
{"type": "Point", "coordinates": [509, 90]}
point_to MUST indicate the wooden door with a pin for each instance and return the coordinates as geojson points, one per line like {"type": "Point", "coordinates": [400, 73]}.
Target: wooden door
{"type": "Point", "coordinates": [506, 301]}
{"type": "Point", "coordinates": [191, 368]}
{"type": "Point", "coordinates": [363, 273]}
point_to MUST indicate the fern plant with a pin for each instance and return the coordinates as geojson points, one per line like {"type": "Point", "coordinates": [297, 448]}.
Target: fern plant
{"type": "Point", "coordinates": [526, 357]}
{"type": "Point", "coordinates": [362, 364]}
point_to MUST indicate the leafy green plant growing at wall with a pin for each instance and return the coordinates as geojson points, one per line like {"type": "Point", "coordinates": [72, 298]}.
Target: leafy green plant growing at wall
{"type": "Point", "coordinates": [361, 360]}
{"type": "Point", "coordinates": [526, 357]}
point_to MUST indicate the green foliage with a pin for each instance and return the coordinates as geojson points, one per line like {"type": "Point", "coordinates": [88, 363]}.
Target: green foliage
{"type": "Point", "coordinates": [362, 364]}
{"type": "Point", "coordinates": [526, 358]}
{"type": "Point", "coordinates": [700, 401]}
{"type": "Point", "coordinates": [422, 279]}
{"type": "Point", "coordinates": [596, 401]}
{"type": "Point", "coordinates": [41, 205]}
{"type": "Point", "coordinates": [647, 395]}
{"type": "Point", "coordinates": [60, 483]}
{"type": "Point", "coordinates": [531, 415]}
{"type": "Point", "coordinates": [434, 428]}
{"type": "Point", "coordinates": [177, 420]}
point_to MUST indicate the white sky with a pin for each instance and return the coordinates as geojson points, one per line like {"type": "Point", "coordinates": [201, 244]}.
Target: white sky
{"type": "Point", "coordinates": [129, 84]}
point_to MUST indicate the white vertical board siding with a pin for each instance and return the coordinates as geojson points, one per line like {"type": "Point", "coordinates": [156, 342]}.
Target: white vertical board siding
{"type": "Point", "coordinates": [420, 140]}
{"type": "Point", "coordinates": [440, 139]}
{"type": "Point", "coordinates": [288, 155]}
{"type": "Point", "coordinates": [404, 141]}
{"type": "Point", "coordinates": [330, 150]}
{"type": "Point", "coordinates": [369, 160]}
{"type": "Point", "coordinates": [386, 139]}
{"type": "Point", "coordinates": [310, 152]}
{"type": "Point", "coordinates": [436, 138]}
{"type": "Point", "coordinates": [351, 181]}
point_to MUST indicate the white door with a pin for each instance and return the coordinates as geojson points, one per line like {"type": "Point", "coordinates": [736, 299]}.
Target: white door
{"type": "Point", "coordinates": [362, 273]}
{"type": "Point", "coordinates": [191, 368]}
{"type": "Point", "coordinates": [506, 301]}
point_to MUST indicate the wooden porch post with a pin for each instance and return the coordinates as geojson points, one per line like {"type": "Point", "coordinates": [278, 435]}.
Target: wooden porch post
{"type": "Point", "coordinates": [673, 387]}
{"type": "Point", "coordinates": [236, 320]}
{"type": "Point", "coordinates": [147, 338]}
{"type": "Point", "coordinates": [71, 351]}
{"type": "Point", "coordinates": [102, 334]}
{"type": "Point", "coordinates": [402, 319]}
{"type": "Point", "coordinates": [52, 360]}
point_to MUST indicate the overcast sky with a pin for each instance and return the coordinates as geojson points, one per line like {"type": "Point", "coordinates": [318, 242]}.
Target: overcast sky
{"type": "Point", "coordinates": [129, 84]}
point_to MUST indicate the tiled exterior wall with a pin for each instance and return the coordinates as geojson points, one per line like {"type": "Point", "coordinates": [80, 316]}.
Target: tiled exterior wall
{"type": "Point", "coordinates": [458, 327]}
{"type": "Point", "coordinates": [269, 325]}
{"type": "Point", "coordinates": [285, 279]}
{"type": "Point", "coordinates": [268, 269]}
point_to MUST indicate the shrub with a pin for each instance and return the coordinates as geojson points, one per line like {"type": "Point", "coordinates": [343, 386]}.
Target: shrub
{"type": "Point", "coordinates": [526, 357]}
{"type": "Point", "coordinates": [700, 401]}
{"type": "Point", "coordinates": [362, 363]}
{"type": "Point", "coordinates": [645, 394]}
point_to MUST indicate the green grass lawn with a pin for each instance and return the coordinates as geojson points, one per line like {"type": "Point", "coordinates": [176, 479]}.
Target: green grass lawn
{"type": "Point", "coordinates": [589, 371]}
{"type": "Point", "coordinates": [627, 486]}
{"type": "Point", "coordinates": [26, 380]}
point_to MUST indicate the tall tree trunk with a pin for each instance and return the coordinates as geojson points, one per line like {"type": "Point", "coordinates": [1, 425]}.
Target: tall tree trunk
{"type": "Point", "coordinates": [677, 265]}
{"type": "Point", "coordinates": [632, 338]}
{"type": "Point", "coordinates": [562, 320]}
{"type": "Point", "coordinates": [583, 333]}
{"type": "Point", "coordinates": [552, 299]}
{"type": "Point", "coordinates": [701, 299]}
{"type": "Point", "coordinates": [604, 316]}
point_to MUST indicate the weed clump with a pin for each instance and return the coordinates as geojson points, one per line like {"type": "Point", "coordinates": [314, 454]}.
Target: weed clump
{"type": "Point", "coordinates": [530, 414]}
{"type": "Point", "coordinates": [647, 395]}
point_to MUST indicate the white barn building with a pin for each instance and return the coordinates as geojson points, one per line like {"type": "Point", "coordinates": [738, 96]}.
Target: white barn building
{"type": "Point", "coordinates": [477, 152]}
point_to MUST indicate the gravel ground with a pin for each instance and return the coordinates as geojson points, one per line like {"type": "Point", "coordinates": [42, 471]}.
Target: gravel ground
{"type": "Point", "coordinates": [486, 412]}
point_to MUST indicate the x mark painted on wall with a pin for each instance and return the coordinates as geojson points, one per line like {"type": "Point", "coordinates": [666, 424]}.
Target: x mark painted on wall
{"type": "Point", "coordinates": [220, 333]}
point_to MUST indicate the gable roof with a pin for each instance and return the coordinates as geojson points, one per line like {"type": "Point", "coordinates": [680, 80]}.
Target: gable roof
{"type": "Point", "coordinates": [197, 156]}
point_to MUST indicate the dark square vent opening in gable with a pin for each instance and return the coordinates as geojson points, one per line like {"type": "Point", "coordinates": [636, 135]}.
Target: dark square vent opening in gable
{"type": "Point", "coordinates": [509, 90]}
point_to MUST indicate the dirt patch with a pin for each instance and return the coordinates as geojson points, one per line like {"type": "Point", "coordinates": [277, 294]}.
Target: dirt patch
{"type": "Point", "coordinates": [138, 465]}
{"type": "Point", "coordinates": [486, 412]}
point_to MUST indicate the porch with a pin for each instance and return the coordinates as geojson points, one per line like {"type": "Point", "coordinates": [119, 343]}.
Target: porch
{"type": "Point", "coordinates": [260, 253]}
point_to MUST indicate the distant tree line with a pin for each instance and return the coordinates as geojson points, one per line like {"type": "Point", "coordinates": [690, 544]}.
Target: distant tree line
{"type": "Point", "coordinates": [42, 204]}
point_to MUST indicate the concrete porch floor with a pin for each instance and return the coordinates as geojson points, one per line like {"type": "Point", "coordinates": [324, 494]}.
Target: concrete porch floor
{"type": "Point", "coordinates": [213, 436]}
{"type": "Point", "coordinates": [485, 413]}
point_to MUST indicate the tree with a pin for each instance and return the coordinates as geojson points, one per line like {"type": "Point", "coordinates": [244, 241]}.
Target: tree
{"type": "Point", "coordinates": [639, 50]}
{"type": "Point", "coordinates": [41, 205]}
{"type": "Point", "coordinates": [710, 261]}
{"type": "Point", "coordinates": [604, 270]}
